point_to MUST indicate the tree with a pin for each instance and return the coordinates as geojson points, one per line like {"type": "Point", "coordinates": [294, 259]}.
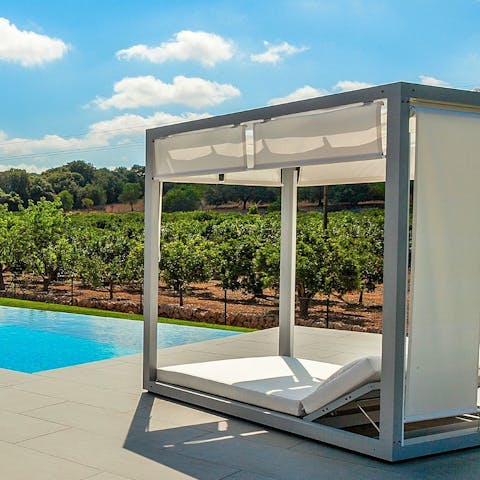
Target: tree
{"type": "Point", "coordinates": [110, 182]}
{"type": "Point", "coordinates": [16, 181]}
{"type": "Point", "coordinates": [230, 266]}
{"type": "Point", "coordinates": [12, 200]}
{"type": "Point", "coordinates": [183, 263]}
{"type": "Point", "coordinates": [40, 187]}
{"type": "Point", "coordinates": [11, 244]}
{"type": "Point", "coordinates": [370, 251]}
{"type": "Point", "coordinates": [86, 170]}
{"type": "Point", "coordinates": [104, 259]}
{"type": "Point", "coordinates": [66, 198]}
{"type": "Point", "coordinates": [322, 264]}
{"type": "Point", "coordinates": [87, 203]}
{"type": "Point", "coordinates": [219, 194]}
{"type": "Point", "coordinates": [44, 226]}
{"type": "Point", "coordinates": [181, 198]}
{"type": "Point", "coordinates": [130, 194]}
{"type": "Point", "coordinates": [63, 179]}
{"type": "Point", "coordinates": [95, 192]}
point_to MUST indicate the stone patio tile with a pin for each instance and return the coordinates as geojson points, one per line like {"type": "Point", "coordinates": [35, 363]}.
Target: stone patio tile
{"type": "Point", "coordinates": [108, 476]}
{"type": "Point", "coordinates": [247, 349]}
{"type": "Point", "coordinates": [162, 413]}
{"type": "Point", "coordinates": [278, 463]}
{"type": "Point", "coordinates": [18, 401]}
{"type": "Point", "coordinates": [133, 459]}
{"type": "Point", "coordinates": [136, 359]}
{"type": "Point", "coordinates": [109, 423]}
{"type": "Point", "coordinates": [19, 463]}
{"type": "Point", "coordinates": [81, 393]}
{"type": "Point", "coordinates": [15, 427]}
{"type": "Point", "coordinates": [251, 432]}
{"type": "Point", "coordinates": [248, 476]}
{"type": "Point", "coordinates": [186, 356]}
{"type": "Point", "coordinates": [11, 377]}
{"type": "Point", "coordinates": [112, 376]}
{"type": "Point", "coordinates": [455, 465]}
{"type": "Point", "coordinates": [158, 414]}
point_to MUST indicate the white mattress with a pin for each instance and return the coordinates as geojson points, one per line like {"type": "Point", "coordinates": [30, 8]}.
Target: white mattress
{"type": "Point", "coordinates": [284, 384]}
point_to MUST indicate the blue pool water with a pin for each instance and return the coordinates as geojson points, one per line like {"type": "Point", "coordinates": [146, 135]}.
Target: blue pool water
{"type": "Point", "coordinates": [34, 340]}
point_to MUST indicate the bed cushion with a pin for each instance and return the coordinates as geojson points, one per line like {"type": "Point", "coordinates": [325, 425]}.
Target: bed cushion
{"type": "Point", "coordinates": [346, 379]}
{"type": "Point", "coordinates": [275, 383]}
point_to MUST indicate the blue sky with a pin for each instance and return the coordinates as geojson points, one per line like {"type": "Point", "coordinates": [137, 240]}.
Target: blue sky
{"type": "Point", "coordinates": [83, 79]}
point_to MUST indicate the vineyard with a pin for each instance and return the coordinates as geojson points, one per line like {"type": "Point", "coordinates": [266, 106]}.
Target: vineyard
{"type": "Point", "coordinates": [214, 267]}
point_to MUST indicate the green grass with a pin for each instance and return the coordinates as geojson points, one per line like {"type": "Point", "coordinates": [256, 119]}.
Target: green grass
{"type": "Point", "coordinates": [53, 307]}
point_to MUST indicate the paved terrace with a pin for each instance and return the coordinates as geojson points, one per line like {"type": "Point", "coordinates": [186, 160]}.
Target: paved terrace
{"type": "Point", "coordinates": [93, 421]}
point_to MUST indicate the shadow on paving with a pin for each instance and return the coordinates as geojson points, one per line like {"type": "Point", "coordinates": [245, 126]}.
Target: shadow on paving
{"type": "Point", "coordinates": [245, 447]}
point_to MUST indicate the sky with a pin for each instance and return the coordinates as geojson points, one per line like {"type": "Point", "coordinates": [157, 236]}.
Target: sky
{"type": "Point", "coordinates": [82, 80]}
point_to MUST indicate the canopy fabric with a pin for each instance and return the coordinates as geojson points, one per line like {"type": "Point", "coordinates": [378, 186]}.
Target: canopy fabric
{"type": "Point", "coordinates": [352, 133]}
{"type": "Point", "coordinates": [333, 147]}
{"type": "Point", "coordinates": [364, 171]}
{"type": "Point", "coordinates": [206, 151]}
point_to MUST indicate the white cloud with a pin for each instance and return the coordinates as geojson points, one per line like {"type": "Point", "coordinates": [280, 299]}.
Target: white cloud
{"type": "Point", "coordinates": [28, 48]}
{"type": "Point", "coordinates": [427, 80]}
{"type": "Point", "coordinates": [204, 47]}
{"type": "Point", "coordinates": [130, 125]}
{"type": "Point", "coordinates": [117, 131]}
{"type": "Point", "coordinates": [20, 146]}
{"type": "Point", "coordinates": [347, 85]}
{"type": "Point", "coordinates": [309, 92]}
{"type": "Point", "coordinates": [276, 53]}
{"type": "Point", "coordinates": [29, 167]}
{"type": "Point", "coordinates": [300, 94]}
{"type": "Point", "coordinates": [133, 92]}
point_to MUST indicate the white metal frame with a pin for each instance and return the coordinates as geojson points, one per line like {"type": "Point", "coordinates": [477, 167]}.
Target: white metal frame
{"type": "Point", "coordinates": [391, 444]}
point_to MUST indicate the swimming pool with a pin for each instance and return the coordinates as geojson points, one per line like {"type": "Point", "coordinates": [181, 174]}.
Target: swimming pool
{"type": "Point", "coordinates": [36, 340]}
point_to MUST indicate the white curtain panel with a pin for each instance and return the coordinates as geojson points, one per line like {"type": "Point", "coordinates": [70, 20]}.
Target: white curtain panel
{"type": "Point", "coordinates": [442, 371]}
{"type": "Point", "coordinates": [362, 171]}
{"type": "Point", "coordinates": [202, 152]}
{"type": "Point", "coordinates": [347, 134]}
{"type": "Point", "coordinates": [265, 178]}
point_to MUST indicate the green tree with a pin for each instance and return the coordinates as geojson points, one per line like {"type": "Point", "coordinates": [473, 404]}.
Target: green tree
{"type": "Point", "coordinates": [104, 259]}
{"type": "Point", "coordinates": [86, 170]}
{"type": "Point", "coordinates": [44, 227]}
{"type": "Point", "coordinates": [10, 242]}
{"type": "Point", "coordinates": [181, 198]}
{"type": "Point", "coordinates": [183, 263]}
{"type": "Point", "coordinates": [95, 192]}
{"type": "Point", "coordinates": [219, 194]}
{"type": "Point", "coordinates": [16, 181]}
{"type": "Point", "coordinates": [323, 265]}
{"type": "Point", "coordinates": [229, 266]}
{"type": "Point", "coordinates": [110, 182]}
{"type": "Point", "coordinates": [12, 200]}
{"type": "Point", "coordinates": [40, 187]}
{"type": "Point", "coordinates": [369, 250]}
{"type": "Point", "coordinates": [66, 198]}
{"type": "Point", "coordinates": [130, 194]}
{"type": "Point", "coordinates": [87, 203]}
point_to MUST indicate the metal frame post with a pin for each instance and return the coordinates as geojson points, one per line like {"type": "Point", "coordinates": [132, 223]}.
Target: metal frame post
{"type": "Point", "coordinates": [395, 272]}
{"type": "Point", "coordinates": [288, 240]}
{"type": "Point", "coordinates": [153, 210]}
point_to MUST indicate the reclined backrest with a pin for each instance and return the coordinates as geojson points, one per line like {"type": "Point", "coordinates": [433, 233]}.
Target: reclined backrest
{"type": "Point", "coordinates": [350, 377]}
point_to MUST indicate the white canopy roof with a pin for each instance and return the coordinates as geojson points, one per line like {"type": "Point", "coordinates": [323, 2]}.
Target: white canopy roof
{"type": "Point", "coordinates": [334, 146]}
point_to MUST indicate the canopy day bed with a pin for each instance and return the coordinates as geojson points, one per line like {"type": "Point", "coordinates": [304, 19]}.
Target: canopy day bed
{"type": "Point", "coordinates": [396, 406]}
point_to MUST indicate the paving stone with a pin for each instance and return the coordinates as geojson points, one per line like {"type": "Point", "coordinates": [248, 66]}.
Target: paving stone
{"type": "Point", "coordinates": [19, 463]}
{"type": "Point", "coordinates": [15, 427]}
